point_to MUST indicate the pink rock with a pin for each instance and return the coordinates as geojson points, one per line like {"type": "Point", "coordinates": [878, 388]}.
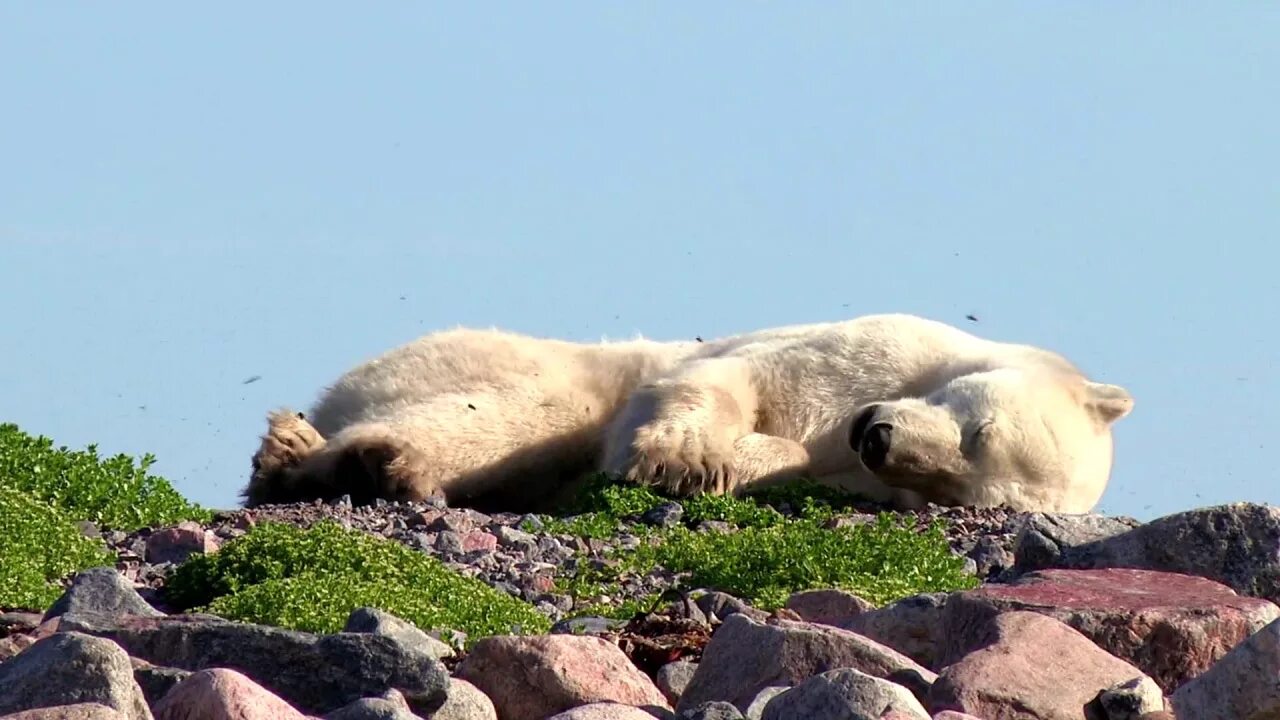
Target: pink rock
{"type": "Point", "coordinates": [1244, 684]}
{"type": "Point", "coordinates": [79, 711]}
{"type": "Point", "coordinates": [603, 711]}
{"type": "Point", "coordinates": [531, 678]}
{"type": "Point", "coordinates": [746, 656]}
{"type": "Point", "coordinates": [912, 626]}
{"type": "Point", "coordinates": [479, 540]}
{"type": "Point", "coordinates": [176, 544]}
{"type": "Point", "coordinates": [827, 606]}
{"type": "Point", "coordinates": [953, 715]}
{"type": "Point", "coordinates": [14, 644]}
{"type": "Point", "coordinates": [221, 694]}
{"type": "Point", "coordinates": [1027, 665]}
{"type": "Point", "coordinates": [1171, 626]}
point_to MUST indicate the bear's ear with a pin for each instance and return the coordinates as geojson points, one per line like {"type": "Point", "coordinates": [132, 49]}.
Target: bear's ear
{"type": "Point", "coordinates": [1107, 403]}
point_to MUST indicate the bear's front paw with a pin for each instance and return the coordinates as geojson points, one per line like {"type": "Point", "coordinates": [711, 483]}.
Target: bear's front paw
{"type": "Point", "coordinates": [289, 440]}
{"type": "Point", "coordinates": [681, 460]}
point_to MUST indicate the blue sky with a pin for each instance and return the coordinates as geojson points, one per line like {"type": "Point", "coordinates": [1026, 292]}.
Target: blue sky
{"type": "Point", "coordinates": [192, 197]}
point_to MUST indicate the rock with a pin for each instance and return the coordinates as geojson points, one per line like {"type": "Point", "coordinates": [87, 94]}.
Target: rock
{"type": "Point", "coordinates": [953, 715]}
{"type": "Point", "coordinates": [222, 694]}
{"type": "Point", "coordinates": [70, 668]}
{"type": "Point", "coordinates": [156, 681]}
{"type": "Point", "coordinates": [602, 711]}
{"type": "Point", "coordinates": [101, 592]}
{"type": "Point", "coordinates": [1171, 626]}
{"type": "Point", "coordinates": [176, 544]}
{"type": "Point", "coordinates": [844, 694]}
{"type": "Point", "coordinates": [718, 606]}
{"type": "Point", "coordinates": [664, 515]}
{"type": "Point", "coordinates": [530, 678]}
{"type": "Point", "coordinates": [14, 644]}
{"type": "Point", "coordinates": [380, 622]}
{"type": "Point", "coordinates": [465, 702]}
{"type": "Point", "coordinates": [1235, 544]}
{"type": "Point", "coordinates": [391, 706]}
{"type": "Point", "coordinates": [1025, 665]}
{"type": "Point", "coordinates": [912, 626]}
{"type": "Point", "coordinates": [1128, 700]}
{"type": "Point", "coordinates": [314, 673]}
{"type": "Point", "coordinates": [745, 656]}
{"type": "Point", "coordinates": [1243, 685]}
{"type": "Point", "coordinates": [78, 711]}
{"type": "Point", "coordinates": [674, 677]}
{"type": "Point", "coordinates": [587, 625]}
{"type": "Point", "coordinates": [830, 607]}
{"type": "Point", "coordinates": [715, 710]}
{"type": "Point", "coordinates": [1045, 537]}
{"type": "Point", "coordinates": [755, 710]}
{"type": "Point", "coordinates": [479, 540]}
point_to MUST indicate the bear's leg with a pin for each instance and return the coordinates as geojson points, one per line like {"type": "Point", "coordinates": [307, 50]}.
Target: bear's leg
{"type": "Point", "coordinates": [502, 446]}
{"type": "Point", "coordinates": [289, 441]}
{"type": "Point", "coordinates": [763, 460]}
{"type": "Point", "coordinates": [679, 433]}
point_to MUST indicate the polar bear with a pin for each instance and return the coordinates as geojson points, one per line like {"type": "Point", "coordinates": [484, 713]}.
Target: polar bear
{"type": "Point", "coordinates": [901, 409]}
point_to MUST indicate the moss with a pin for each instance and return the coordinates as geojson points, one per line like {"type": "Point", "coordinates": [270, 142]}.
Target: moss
{"type": "Point", "coordinates": [40, 545]}
{"type": "Point", "coordinates": [312, 579]}
{"type": "Point", "coordinates": [115, 492]}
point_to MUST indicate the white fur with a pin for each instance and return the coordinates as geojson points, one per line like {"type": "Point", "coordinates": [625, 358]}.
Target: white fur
{"type": "Point", "coordinates": [516, 419]}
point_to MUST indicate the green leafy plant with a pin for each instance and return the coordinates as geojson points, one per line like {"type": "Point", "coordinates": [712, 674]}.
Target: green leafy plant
{"type": "Point", "coordinates": [312, 579]}
{"type": "Point", "coordinates": [40, 545]}
{"type": "Point", "coordinates": [115, 492]}
{"type": "Point", "coordinates": [766, 555]}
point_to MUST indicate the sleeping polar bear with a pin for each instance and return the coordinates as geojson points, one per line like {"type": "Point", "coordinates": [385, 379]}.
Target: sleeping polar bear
{"type": "Point", "coordinates": [898, 408]}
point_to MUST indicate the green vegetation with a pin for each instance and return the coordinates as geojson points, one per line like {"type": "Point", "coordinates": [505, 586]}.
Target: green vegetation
{"type": "Point", "coordinates": [770, 555]}
{"type": "Point", "coordinates": [39, 545]}
{"type": "Point", "coordinates": [776, 542]}
{"type": "Point", "coordinates": [312, 579]}
{"type": "Point", "coordinates": [45, 490]}
{"type": "Point", "coordinates": [112, 492]}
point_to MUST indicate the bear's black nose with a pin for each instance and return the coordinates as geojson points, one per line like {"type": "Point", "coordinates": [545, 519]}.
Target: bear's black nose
{"type": "Point", "coordinates": [875, 445]}
{"type": "Point", "coordinates": [860, 425]}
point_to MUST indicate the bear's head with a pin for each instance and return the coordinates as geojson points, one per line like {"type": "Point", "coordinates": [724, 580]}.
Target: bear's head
{"type": "Point", "coordinates": [1029, 438]}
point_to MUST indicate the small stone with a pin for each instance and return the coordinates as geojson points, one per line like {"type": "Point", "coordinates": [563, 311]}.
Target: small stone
{"type": "Point", "coordinates": [176, 544]}
{"type": "Point", "coordinates": [713, 710]}
{"type": "Point", "coordinates": [665, 515]}
{"type": "Point", "coordinates": [479, 541]}
{"type": "Point", "coordinates": [510, 536]}
{"type": "Point", "coordinates": [718, 606]}
{"type": "Point", "coordinates": [674, 677]}
{"type": "Point", "coordinates": [465, 702]}
{"type": "Point", "coordinates": [101, 591]}
{"type": "Point", "coordinates": [844, 694]}
{"type": "Point", "coordinates": [1129, 700]}
{"type": "Point", "coordinates": [755, 709]}
{"type": "Point", "coordinates": [380, 622]}
{"type": "Point", "coordinates": [912, 626]}
{"type": "Point", "coordinates": [221, 694]}
{"type": "Point", "coordinates": [829, 607]}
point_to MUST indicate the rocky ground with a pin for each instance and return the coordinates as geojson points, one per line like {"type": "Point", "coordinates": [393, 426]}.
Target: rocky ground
{"type": "Point", "coordinates": [1080, 617]}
